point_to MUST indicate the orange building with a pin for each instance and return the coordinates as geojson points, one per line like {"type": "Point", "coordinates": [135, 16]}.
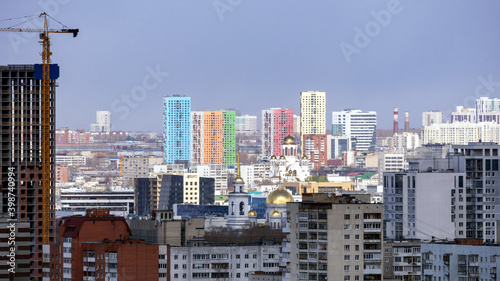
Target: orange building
{"type": "Point", "coordinates": [315, 148]}
{"type": "Point", "coordinates": [99, 246]}
{"type": "Point", "coordinates": [212, 136]}
{"type": "Point", "coordinates": [62, 173]}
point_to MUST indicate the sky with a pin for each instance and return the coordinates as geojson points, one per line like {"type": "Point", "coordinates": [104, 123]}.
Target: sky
{"type": "Point", "coordinates": [416, 55]}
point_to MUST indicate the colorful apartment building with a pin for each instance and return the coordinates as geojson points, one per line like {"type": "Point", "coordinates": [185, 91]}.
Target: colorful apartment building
{"type": "Point", "coordinates": [177, 129]}
{"type": "Point", "coordinates": [213, 137]}
{"type": "Point", "coordinates": [277, 124]}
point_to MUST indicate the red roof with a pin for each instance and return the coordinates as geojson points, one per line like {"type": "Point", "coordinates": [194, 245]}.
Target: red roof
{"type": "Point", "coordinates": [74, 224]}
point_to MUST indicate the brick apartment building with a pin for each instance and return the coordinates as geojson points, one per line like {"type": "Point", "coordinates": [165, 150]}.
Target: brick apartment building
{"type": "Point", "coordinates": [99, 246]}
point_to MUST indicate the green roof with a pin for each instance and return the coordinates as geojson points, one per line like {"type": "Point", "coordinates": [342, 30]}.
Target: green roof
{"type": "Point", "coordinates": [366, 176]}
{"type": "Point", "coordinates": [220, 197]}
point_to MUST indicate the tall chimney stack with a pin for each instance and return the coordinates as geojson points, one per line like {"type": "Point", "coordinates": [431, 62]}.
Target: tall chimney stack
{"type": "Point", "coordinates": [395, 128]}
{"type": "Point", "coordinates": [407, 121]}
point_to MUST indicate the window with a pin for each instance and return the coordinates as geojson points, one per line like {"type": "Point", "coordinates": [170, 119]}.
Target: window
{"type": "Point", "coordinates": [347, 237]}
{"type": "Point", "coordinates": [176, 266]}
{"type": "Point", "coordinates": [347, 248]}
{"type": "Point", "coordinates": [347, 217]}
{"type": "Point", "coordinates": [356, 216]}
{"type": "Point", "coordinates": [347, 257]}
{"type": "Point", "coordinates": [347, 268]}
{"type": "Point", "coordinates": [347, 227]}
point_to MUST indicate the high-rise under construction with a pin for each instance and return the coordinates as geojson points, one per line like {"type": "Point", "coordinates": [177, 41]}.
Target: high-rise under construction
{"type": "Point", "coordinates": [21, 165]}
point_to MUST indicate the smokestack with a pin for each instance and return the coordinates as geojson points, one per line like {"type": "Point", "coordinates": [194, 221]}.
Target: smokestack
{"type": "Point", "coordinates": [395, 128]}
{"type": "Point", "coordinates": [407, 121]}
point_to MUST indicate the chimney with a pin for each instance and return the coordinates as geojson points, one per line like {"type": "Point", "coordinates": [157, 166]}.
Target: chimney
{"type": "Point", "coordinates": [407, 121]}
{"type": "Point", "coordinates": [395, 127]}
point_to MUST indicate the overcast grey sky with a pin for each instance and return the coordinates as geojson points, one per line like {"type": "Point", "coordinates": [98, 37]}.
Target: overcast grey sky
{"type": "Point", "coordinates": [253, 54]}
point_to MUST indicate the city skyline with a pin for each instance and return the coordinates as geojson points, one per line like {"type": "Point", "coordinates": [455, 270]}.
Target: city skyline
{"type": "Point", "coordinates": [240, 54]}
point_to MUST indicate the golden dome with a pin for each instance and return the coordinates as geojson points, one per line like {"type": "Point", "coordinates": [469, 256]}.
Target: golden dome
{"type": "Point", "coordinates": [273, 157]}
{"type": "Point", "coordinates": [275, 213]}
{"type": "Point", "coordinates": [252, 213]}
{"type": "Point", "coordinates": [279, 196]}
{"type": "Point", "coordinates": [304, 157]}
{"type": "Point", "coordinates": [289, 140]}
{"type": "Point", "coordinates": [282, 157]}
{"type": "Point", "coordinates": [238, 180]}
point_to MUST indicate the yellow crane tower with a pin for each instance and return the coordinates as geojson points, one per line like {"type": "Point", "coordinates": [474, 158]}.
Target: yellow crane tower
{"type": "Point", "coordinates": [45, 145]}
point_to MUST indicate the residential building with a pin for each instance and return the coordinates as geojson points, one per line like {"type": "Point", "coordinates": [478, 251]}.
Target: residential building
{"type": "Point", "coordinates": [222, 262]}
{"type": "Point", "coordinates": [312, 113]}
{"type": "Point", "coordinates": [432, 117]}
{"type": "Point", "coordinates": [414, 205]}
{"type": "Point", "coordinates": [464, 115]}
{"type": "Point", "coordinates": [213, 137]}
{"type": "Point", "coordinates": [184, 188]}
{"type": "Point", "coordinates": [146, 195]}
{"type": "Point", "coordinates": [477, 200]}
{"type": "Point", "coordinates": [402, 260]}
{"type": "Point", "coordinates": [358, 125]}
{"type": "Point", "coordinates": [164, 229]}
{"type": "Point", "coordinates": [277, 123]}
{"type": "Point", "coordinates": [217, 171]}
{"type": "Point", "coordinates": [334, 238]}
{"type": "Point", "coordinates": [177, 129]}
{"type": "Point", "coordinates": [465, 259]}
{"type": "Point", "coordinates": [488, 110]}
{"type": "Point", "coordinates": [71, 160]}
{"type": "Point", "coordinates": [69, 136]}
{"type": "Point", "coordinates": [392, 162]}
{"type": "Point", "coordinates": [103, 122]}
{"type": "Point", "coordinates": [62, 173]}
{"type": "Point", "coordinates": [119, 202]}
{"type": "Point", "coordinates": [296, 125]}
{"type": "Point", "coordinates": [21, 154]}
{"type": "Point", "coordinates": [337, 145]}
{"type": "Point", "coordinates": [245, 124]}
{"type": "Point", "coordinates": [315, 148]}
{"type": "Point", "coordinates": [404, 143]}
{"type": "Point", "coordinates": [137, 167]}
{"type": "Point", "coordinates": [461, 133]}
{"type": "Point", "coordinates": [464, 201]}
{"type": "Point", "coordinates": [99, 246]}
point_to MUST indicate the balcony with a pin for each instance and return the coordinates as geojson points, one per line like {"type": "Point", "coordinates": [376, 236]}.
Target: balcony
{"type": "Point", "coordinates": [373, 220]}
{"type": "Point", "coordinates": [372, 271]}
{"type": "Point", "coordinates": [372, 230]}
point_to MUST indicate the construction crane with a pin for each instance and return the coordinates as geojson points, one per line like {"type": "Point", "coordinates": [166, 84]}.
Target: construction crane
{"type": "Point", "coordinates": [45, 145]}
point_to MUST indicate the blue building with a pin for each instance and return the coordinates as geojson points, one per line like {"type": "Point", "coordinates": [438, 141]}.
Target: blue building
{"type": "Point", "coordinates": [177, 129]}
{"type": "Point", "coordinates": [258, 203]}
{"type": "Point", "coordinates": [199, 211]}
